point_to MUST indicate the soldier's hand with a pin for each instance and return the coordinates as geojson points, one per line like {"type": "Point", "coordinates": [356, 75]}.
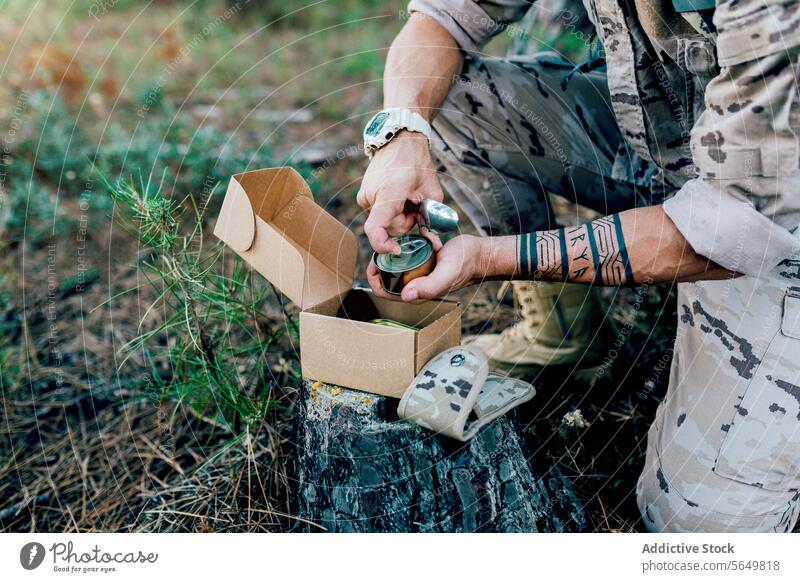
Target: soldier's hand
{"type": "Point", "coordinates": [400, 176]}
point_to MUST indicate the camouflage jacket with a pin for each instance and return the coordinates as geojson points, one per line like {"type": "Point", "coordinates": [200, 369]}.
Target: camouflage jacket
{"type": "Point", "coordinates": [719, 117]}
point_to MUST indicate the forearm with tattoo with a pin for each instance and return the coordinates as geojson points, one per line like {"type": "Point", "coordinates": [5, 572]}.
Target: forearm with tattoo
{"type": "Point", "coordinates": [590, 253]}
{"type": "Point", "coordinates": [633, 247]}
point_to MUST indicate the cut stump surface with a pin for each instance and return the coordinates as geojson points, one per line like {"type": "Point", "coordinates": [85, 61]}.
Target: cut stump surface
{"type": "Point", "coordinates": [360, 469]}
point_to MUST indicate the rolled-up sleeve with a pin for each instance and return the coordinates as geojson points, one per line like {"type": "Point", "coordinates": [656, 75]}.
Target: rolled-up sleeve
{"type": "Point", "coordinates": [740, 209]}
{"type": "Point", "coordinates": [472, 22]}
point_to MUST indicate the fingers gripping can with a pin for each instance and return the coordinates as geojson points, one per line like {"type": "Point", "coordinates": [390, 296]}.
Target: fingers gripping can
{"type": "Point", "coordinates": [416, 259]}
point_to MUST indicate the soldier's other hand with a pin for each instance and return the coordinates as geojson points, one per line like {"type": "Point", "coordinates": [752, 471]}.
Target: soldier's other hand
{"type": "Point", "coordinates": [458, 264]}
{"type": "Point", "coordinates": [399, 177]}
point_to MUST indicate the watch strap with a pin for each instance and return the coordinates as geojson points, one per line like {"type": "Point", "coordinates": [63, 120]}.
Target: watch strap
{"type": "Point", "coordinates": [412, 121]}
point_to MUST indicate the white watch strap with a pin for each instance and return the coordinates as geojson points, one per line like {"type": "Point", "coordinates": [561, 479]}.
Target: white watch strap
{"type": "Point", "coordinates": [411, 121]}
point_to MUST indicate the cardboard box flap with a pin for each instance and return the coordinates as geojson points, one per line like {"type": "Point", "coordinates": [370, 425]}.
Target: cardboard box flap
{"type": "Point", "coordinates": [270, 219]}
{"type": "Point", "coordinates": [236, 223]}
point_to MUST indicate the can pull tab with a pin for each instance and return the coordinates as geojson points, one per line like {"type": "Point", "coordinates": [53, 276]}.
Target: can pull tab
{"type": "Point", "coordinates": [410, 247]}
{"type": "Point", "coordinates": [437, 217]}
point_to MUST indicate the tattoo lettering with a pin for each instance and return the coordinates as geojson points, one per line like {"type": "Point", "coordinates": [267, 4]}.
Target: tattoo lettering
{"type": "Point", "coordinates": [579, 258]}
{"type": "Point", "coordinates": [589, 253]}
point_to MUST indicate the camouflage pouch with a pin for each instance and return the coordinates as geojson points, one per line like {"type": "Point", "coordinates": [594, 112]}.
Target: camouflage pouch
{"type": "Point", "coordinates": [455, 395]}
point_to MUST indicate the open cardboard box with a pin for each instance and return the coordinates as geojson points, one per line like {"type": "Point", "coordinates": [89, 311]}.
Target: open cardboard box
{"type": "Point", "coordinates": [270, 219]}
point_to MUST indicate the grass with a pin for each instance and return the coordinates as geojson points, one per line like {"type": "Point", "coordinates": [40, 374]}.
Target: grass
{"type": "Point", "coordinates": [210, 331]}
{"type": "Point", "coordinates": [126, 334]}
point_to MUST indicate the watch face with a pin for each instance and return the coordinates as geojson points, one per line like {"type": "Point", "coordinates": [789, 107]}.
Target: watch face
{"type": "Point", "coordinates": [376, 124]}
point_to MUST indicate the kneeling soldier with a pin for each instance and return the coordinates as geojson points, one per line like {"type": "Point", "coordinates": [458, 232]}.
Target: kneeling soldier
{"type": "Point", "coordinates": [685, 137]}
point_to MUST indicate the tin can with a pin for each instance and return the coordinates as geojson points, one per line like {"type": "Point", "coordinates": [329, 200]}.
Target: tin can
{"type": "Point", "coordinates": [416, 259]}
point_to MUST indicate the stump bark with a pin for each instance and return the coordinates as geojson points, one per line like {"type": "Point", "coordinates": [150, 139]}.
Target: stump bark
{"type": "Point", "coordinates": [360, 469]}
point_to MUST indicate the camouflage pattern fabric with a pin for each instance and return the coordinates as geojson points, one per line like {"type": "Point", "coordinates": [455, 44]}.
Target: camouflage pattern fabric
{"type": "Point", "coordinates": [455, 386]}
{"type": "Point", "coordinates": [715, 122]}
{"type": "Point", "coordinates": [724, 451]}
{"type": "Point", "coordinates": [550, 23]}
{"type": "Point", "coordinates": [708, 127]}
{"type": "Point", "coordinates": [510, 131]}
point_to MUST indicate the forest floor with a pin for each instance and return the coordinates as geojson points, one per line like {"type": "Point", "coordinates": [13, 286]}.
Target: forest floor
{"type": "Point", "coordinates": [89, 441]}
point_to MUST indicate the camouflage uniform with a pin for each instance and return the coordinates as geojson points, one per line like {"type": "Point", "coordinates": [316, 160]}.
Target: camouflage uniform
{"type": "Point", "coordinates": [706, 124]}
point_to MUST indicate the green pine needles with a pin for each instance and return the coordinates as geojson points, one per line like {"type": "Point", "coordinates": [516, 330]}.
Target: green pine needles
{"type": "Point", "coordinates": [205, 324]}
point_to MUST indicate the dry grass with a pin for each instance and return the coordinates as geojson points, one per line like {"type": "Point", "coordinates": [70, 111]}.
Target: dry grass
{"type": "Point", "coordinates": [73, 468]}
{"type": "Point", "coordinates": [85, 445]}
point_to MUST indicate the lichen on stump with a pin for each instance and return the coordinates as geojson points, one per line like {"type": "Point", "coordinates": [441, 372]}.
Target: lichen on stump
{"type": "Point", "coordinates": [360, 469]}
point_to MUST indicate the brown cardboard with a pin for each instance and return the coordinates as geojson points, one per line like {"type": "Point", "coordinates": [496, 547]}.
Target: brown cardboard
{"type": "Point", "coordinates": [269, 218]}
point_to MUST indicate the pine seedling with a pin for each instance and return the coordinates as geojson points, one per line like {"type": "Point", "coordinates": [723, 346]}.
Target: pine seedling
{"type": "Point", "coordinates": [208, 330]}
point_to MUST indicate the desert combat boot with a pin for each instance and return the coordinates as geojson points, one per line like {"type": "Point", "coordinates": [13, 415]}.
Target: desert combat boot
{"type": "Point", "coordinates": [560, 324]}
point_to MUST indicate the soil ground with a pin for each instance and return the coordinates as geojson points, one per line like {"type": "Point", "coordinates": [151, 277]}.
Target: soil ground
{"type": "Point", "coordinates": [86, 444]}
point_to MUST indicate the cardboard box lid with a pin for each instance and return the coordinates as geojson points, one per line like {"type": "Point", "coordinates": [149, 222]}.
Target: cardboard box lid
{"type": "Point", "coordinates": [269, 217]}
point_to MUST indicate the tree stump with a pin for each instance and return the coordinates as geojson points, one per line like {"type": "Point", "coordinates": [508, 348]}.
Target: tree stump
{"type": "Point", "coordinates": [361, 469]}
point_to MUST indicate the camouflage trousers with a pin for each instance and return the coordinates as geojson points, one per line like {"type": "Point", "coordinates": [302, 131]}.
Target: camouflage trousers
{"type": "Point", "coordinates": [723, 454]}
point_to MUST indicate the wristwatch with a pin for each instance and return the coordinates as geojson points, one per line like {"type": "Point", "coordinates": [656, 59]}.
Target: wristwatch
{"type": "Point", "coordinates": [385, 124]}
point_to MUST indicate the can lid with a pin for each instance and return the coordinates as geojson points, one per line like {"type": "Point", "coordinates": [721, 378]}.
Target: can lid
{"type": "Point", "coordinates": [414, 251]}
{"type": "Point", "coordinates": [437, 217]}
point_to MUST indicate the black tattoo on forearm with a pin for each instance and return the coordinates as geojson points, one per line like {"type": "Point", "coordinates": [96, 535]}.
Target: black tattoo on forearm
{"type": "Point", "coordinates": [526, 265]}
{"type": "Point", "coordinates": [593, 252]}
{"type": "Point", "coordinates": [551, 256]}
{"type": "Point", "coordinates": [579, 254]}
